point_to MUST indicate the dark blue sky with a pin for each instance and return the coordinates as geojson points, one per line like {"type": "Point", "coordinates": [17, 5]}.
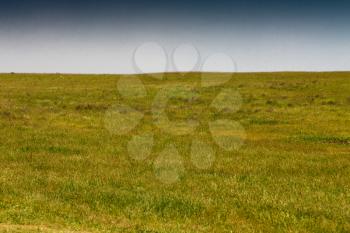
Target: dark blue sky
{"type": "Point", "coordinates": [257, 32]}
{"type": "Point", "coordinates": [251, 10]}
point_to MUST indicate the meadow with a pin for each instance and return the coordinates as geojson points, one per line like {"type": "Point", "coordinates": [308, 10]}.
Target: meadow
{"type": "Point", "coordinates": [61, 170]}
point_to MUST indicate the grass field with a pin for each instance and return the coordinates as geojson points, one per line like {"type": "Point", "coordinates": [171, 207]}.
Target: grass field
{"type": "Point", "coordinates": [61, 170]}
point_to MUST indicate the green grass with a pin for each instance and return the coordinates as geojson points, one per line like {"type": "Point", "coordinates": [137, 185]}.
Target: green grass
{"type": "Point", "coordinates": [61, 170]}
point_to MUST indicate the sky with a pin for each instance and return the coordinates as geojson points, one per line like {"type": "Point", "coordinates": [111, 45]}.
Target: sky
{"type": "Point", "coordinates": [105, 36]}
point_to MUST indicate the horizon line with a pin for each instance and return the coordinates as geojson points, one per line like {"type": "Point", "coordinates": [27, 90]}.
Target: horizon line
{"type": "Point", "coordinates": [175, 72]}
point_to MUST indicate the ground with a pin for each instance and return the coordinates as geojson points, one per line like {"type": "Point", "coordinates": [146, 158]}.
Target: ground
{"type": "Point", "coordinates": [61, 170]}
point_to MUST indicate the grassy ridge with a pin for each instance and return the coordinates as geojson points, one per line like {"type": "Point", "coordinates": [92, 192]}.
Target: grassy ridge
{"type": "Point", "coordinates": [61, 169]}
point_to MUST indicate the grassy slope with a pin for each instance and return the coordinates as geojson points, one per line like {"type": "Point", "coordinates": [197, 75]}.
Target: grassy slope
{"type": "Point", "coordinates": [61, 169]}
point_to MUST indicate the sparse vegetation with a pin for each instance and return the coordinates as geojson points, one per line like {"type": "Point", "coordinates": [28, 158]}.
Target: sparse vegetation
{"type": "Point", "coordinates": [61, 170]}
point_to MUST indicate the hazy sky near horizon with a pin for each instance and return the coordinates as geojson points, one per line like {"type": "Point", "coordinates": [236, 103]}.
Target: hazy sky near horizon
{"type": "Point", "coordinates": [101, 36]}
